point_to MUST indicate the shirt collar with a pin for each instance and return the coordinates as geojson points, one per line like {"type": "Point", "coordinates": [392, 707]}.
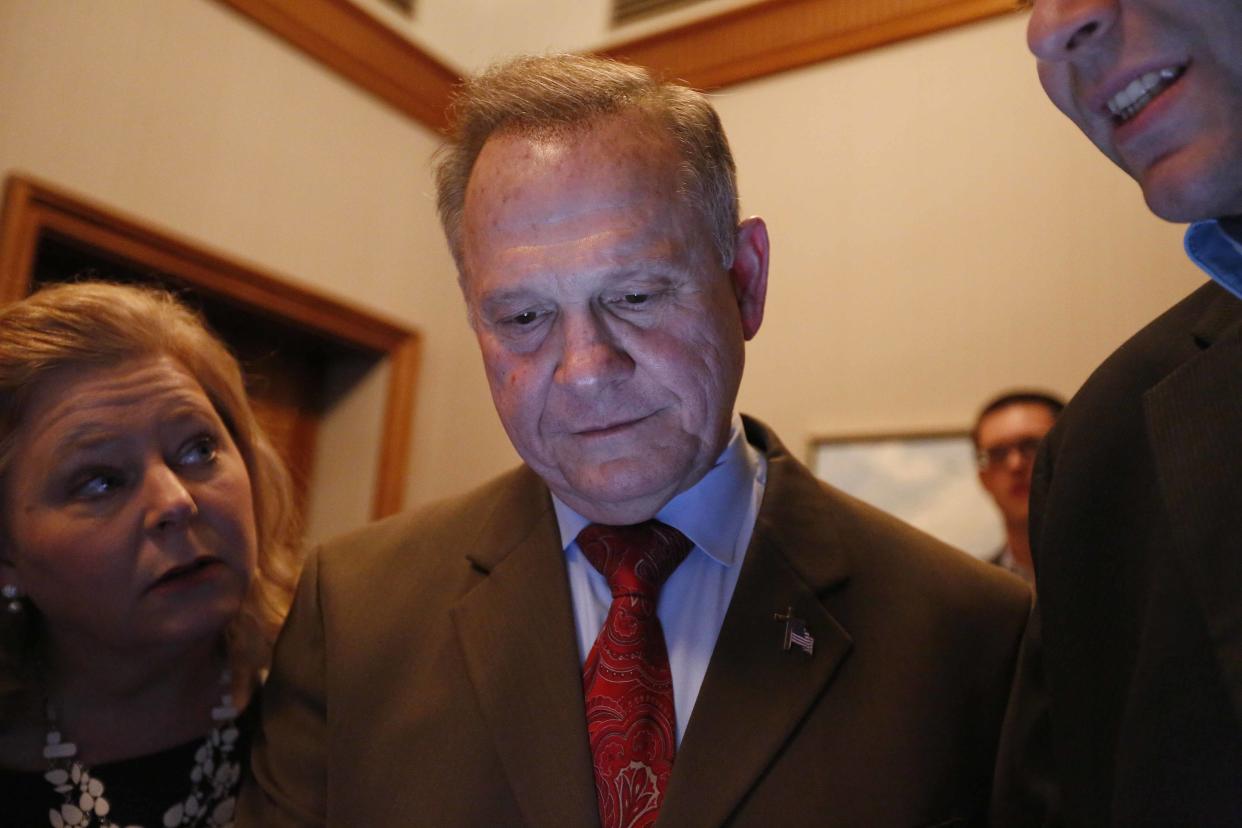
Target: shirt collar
{"type": "Point", "coordinates": [1218, 253]}
{"type": "Point", "coordinates": [710, 513]}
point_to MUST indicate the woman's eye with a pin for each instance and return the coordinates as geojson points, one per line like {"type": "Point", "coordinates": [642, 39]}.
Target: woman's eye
{"type": "Point", "coordinates": [198, 452]}
{"type": "Point", "coordinates": [636, 298]}
{"type": "Point", "coordinates": [95, 485]}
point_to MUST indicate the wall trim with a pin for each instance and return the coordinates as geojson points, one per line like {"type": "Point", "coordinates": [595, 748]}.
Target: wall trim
{"type": "Point", "coordinates": [33, 208]}
{"type": "Point", "coordinates": [360, 48]}
{"type": "Point", "coordinates": [732, 47]}
{"type": "Point", "coordinates": [778, 35]}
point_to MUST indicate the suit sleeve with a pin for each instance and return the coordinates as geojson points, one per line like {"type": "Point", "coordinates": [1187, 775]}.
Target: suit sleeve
{"type": "Point", "coordinates": [288, 773]}
{"type": "Point", "coordinates": [1024, 793]}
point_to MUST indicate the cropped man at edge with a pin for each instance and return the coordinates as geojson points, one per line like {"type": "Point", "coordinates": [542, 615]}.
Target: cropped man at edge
{"type": "Point", "coordinates": [1132, 714]}
{"type": "Point", "coordinates": [661, 617]}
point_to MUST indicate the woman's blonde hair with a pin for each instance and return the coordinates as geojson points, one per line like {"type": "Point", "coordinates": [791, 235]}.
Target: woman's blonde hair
{"type": "Point", "coordinates": [100, 323]}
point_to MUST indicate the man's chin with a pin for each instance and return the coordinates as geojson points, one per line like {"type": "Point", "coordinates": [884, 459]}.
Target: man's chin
{"type": "Point", "coordinates": [618, 496]}
{"type": "Point", "coordinates": [1180, 191]}
{"type": "Point", "coordinates": [613, 510]}
{"type": "Point", "coordinates": [1172, 209]}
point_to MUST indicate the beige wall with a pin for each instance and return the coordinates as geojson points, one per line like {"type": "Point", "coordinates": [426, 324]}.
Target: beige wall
{"type": "Point", "coordinates": [184, 114]}
{"type": "Point", "coordinates": [939, 232]}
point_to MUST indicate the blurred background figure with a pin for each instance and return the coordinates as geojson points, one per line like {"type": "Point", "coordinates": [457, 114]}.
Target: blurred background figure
{"type": "Point", "coordinates": [146, 561]}
{"type": "Point", "coordinates": [1007, 434]}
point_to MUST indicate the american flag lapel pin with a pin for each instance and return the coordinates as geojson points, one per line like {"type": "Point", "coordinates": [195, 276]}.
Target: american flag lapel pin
{"type": "Point", "coordinates": [795, 632]}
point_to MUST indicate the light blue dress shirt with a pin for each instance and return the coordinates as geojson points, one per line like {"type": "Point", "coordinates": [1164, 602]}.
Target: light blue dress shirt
{"type": "Point", "coordinates": [1219, 254]}
{"type": "Point", "coordinates": [718, 514]}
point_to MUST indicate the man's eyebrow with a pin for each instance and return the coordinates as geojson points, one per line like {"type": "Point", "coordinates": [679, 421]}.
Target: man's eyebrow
{"type": "Point", "coordinates": [657, 275]}
{"type": "Point", "coordinates": [506, 296]}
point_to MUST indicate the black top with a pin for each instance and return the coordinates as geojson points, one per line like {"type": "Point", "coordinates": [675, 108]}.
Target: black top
{"type": "Point", "coordinates": [139, 791]}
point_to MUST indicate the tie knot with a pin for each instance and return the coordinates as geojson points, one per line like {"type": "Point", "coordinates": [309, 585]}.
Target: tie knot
{"type": "Point", "coordinates": [637, 559]}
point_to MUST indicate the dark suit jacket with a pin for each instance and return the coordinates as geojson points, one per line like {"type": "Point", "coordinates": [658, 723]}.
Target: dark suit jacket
{"type": "Point", "coordinates": [429, 675]}
{"type": "Point", "coordinates": [1136, 527]}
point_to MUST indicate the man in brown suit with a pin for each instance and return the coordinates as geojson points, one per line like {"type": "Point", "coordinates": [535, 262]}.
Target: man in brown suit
{"type": "Point", "coordinates": [824, 663]}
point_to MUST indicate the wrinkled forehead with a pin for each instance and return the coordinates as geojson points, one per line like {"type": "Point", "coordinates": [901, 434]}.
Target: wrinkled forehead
{"type": "Point", "coordinates": [86, 390]}
{"type": "Point", "coordinates": [546, 185]}
{"type": "Point", "coordinates": [587, 153]}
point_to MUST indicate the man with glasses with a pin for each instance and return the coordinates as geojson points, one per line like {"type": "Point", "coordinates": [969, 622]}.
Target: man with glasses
{"type": "Point", "coordinates": [1006, 435]}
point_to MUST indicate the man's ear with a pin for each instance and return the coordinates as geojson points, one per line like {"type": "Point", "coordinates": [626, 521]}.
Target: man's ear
{"type": "Point", "coordinates": [750, 273]}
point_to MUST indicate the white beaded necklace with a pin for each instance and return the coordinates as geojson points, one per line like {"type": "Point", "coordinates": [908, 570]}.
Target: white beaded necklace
{"type": "Point", "coordinates": [215, 773]}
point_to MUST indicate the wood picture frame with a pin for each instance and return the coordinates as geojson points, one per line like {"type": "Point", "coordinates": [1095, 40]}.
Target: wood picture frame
{"type": "Point", "coordinates": [928, 479]}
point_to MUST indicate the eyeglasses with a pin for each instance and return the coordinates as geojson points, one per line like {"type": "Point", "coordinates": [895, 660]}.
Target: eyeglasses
{"type": "Point", "coordinates": [995, 457]}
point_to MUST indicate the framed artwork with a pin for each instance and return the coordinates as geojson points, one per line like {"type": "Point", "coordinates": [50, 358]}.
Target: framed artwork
{"type": "Point", "coordinates": [928, 480]}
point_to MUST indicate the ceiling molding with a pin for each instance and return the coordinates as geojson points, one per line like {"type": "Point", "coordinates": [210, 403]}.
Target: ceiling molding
{"type": "Point", "coordinates": [360, 48]}
{"type": "Point", "coordinates": [627, 11]}
{"type": "Point", "coordinates": [732, 47]}
{"type": "Point", "coordinates": [778, 35]}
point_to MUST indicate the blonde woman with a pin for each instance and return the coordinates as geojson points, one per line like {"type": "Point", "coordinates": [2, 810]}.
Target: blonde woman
{"type": "Point", "coordinates": [146, 561]}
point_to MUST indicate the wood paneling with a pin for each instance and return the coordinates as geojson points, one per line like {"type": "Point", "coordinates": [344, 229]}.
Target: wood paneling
{"type": "Point", "coordinates": [34, 210]}
{"type": "Point", "coordinates": [395, 439]}
{"type": "Point", "coordinates": [733, 47]}
{"type": "Point", "coordinates": [361, 49]}
{"type": "Point", "coordinates": [624, 11]}
{"type": "Point", "coordinates": [778, 35]}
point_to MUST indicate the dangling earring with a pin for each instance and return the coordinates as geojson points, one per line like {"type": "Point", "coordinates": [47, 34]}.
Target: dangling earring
{"type": "Point", "coordinates": [13, 595]}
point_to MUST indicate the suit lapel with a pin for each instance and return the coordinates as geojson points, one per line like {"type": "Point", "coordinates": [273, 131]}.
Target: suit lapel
{"type": "Point", "coordinates": [755, 693]}
{"type": "Point", "coordinates": [1195, 420]}
{"type": "Point", "coordinates": [516, 631]}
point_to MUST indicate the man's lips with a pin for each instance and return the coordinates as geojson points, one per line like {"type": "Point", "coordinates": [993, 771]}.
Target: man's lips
{"type": "Point", "coordinates": [604, 431]}
{"type": "Point", "coordinates": [612, 427]}
{"type": "Point", "coordinates": [1126, 98]}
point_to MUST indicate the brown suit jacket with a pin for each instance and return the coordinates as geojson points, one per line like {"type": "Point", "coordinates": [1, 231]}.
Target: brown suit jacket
{"type": "Point", "coordinates": [1131, 715]}
{"type": "Point", "coordinates": [429, 675]}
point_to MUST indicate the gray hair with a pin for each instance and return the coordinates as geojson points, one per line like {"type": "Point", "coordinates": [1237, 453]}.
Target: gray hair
{"type": "Point", "coordinates": [560, 93]}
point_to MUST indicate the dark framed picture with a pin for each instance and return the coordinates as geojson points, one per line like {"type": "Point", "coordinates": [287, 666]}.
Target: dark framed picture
{"type": "Point", "coordinates": [926, 479]}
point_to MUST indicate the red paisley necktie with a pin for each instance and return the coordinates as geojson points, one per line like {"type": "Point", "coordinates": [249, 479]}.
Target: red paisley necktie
{"type": "Point", "coordinates": [628, 685]}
